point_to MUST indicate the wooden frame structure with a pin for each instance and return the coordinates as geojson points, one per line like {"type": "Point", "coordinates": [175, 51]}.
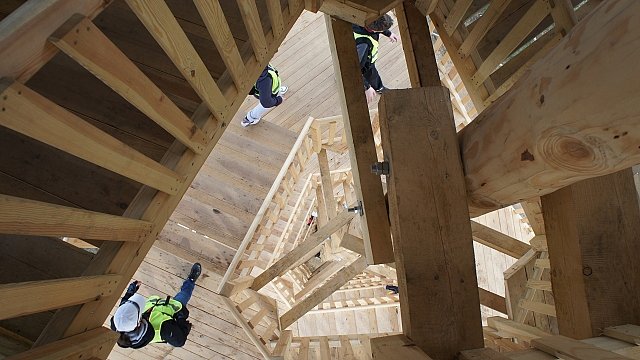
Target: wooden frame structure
{"type": "Point", "coordinates": [508, 67]}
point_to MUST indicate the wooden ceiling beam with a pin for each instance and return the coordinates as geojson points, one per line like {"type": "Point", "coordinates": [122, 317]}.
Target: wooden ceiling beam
{"type": "Point", "coordinates": [163, 26]}
{"type": "Point", "coordinates": [540, 125]}
{"type": "Point", "coordinates": [27, 217]}
{"type": "Point", "coordinates": [93, 344]}
{"type": "Point", "coordinates": [31, 114]}
{"type": "Point", "coordinates": [24, 48]}
{"type": "Point", "coordinates": [85, 43]}
{"type": "Point", "coordinates": [37, 296]}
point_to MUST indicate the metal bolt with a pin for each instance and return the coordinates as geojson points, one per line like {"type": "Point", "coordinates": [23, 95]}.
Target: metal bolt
{"type": "Point", "coordinates": [224, 124]}
{"type": "Point", "coordinates": [380, 168]}
{"type": "Point", "coordinates": [357, 209]}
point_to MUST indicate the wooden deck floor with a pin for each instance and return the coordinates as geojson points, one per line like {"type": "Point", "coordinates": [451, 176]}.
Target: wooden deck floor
{"type": "Point", "coordinates": [212, 218]}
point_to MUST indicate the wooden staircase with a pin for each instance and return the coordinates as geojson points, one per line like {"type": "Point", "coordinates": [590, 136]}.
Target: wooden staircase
{"type": "Point", "coordinates": [216, 211]}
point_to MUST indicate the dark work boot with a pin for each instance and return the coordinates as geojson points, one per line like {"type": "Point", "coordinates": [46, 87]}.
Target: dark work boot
{"type": "Point", "coordinates": [196, 270]}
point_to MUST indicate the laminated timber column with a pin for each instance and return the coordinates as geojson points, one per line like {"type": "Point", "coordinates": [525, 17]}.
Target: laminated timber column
{"type": "Point", "coordinates": [430, 224]}
{"type": "Point", "coordinates": [593, 235]}
{"type": "Point", "coordinates": [357, 124]}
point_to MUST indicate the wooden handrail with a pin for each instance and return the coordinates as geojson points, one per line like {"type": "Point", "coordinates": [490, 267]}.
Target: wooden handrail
{"type": "Point", "coordinates": [265, 205]}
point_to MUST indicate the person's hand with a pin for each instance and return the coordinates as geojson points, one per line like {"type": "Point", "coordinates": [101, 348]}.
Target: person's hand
{"type": "Point", "coordinates": [393, 38]}
{"type": "Point", "coordinates": [370, 93]}
{"type": "Point", "coordinates": [283, 98]}
{"type": "Point", "coordinates": [138, 283]}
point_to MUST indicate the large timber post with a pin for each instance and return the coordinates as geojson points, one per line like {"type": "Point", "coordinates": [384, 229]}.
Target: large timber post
{"type": "Point", "coordinates": [430, 225]}
{"type": "Point", "coordinates": [593, 235]}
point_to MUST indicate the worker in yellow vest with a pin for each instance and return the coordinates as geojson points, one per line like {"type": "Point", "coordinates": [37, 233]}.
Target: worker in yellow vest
{"type": "Point", "coordinates": [157, 319]}
{"type": "Point", "coordinates": [367, 44]}
{"type": "Point", "coordinates": [269, 90]}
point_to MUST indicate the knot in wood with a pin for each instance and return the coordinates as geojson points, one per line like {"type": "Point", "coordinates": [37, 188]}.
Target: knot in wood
{"type": "Point", "coordinates": [568, 150]}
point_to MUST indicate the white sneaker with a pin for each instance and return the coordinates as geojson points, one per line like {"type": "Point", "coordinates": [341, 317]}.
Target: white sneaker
{"type": "Point", "coordinates": [283, 90]}
{"type": "Point", "coordinates": [246, 122]}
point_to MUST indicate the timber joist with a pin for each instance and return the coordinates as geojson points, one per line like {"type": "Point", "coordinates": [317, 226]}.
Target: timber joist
{"type": "Point", "coordinates": [179, 102]}
{"type": "Point", "coordinates": [492, 43]}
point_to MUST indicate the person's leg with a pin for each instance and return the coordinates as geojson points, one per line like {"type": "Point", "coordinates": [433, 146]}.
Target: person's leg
{"type": "Point", "coordinates": [185, 292]}
{"type": "Point", "coordinates": [255, 114]}
{"type": "Point", "coordinates": [373, 77]}
{"type": "Point", "coordinates": [188, 285]}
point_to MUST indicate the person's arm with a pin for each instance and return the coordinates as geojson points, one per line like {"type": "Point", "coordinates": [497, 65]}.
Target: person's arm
{"type": "Point", "coordinates": [175, 332]}
{"type": "Point", "coordinates": [132, 289]}
{"type": "Point", "coordinates": [392, 37]}
{"type": "Point", "coordinates": [267, 99]}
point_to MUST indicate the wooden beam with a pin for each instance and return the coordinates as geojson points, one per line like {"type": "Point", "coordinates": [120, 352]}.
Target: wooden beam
{"type": "Point", "coordinates": [93, 344]}
{"type": "Point", "coordinates": [563, 15]}
{"type": "Point", "coordinates": [592, 234]}
{"type": "Point", "coordinates": [321, 293]}
{"type": "Point", "coordinates": [275, 15]}
{"type": "Point", "coordinates": [302, 251]}
{"type": "Point", "coordinates": [163, 26]}
{"type": "Point", "coordinates": [456, 15]}
{"type": "Point", "coordinates": [514, 329]}
{"type": "Point", "coordinates": [498, 241]}
{"type": "Point", "coordinates": [281, 350]}
{"type": "Point", "coordinates": [492, 300]}
{"type": "Point", "coordinates": [317, 279]}
{"type": "Point", "coordinates": [541, 126]}
{"type": "Point", "coordinates": [417, 46]}
{"type": "Point", "coordinates": [85, 43]}
{"type": "Point", "coordinates": [312, 5]}
{"type": "Point", "coordinates": [249, 12]}
{"type": "Point", "coordinates": [218, 27]}
{"type": "Point", "coordinates": [426, 6]}
{"type": "Point", "coordinates": [482, 26]}
{"type": "Point", "coordinates": [347, 350]}
{"type": "Point", "coordinates": [629, 333]}
{"type": "Point", "coordinates": [327, 184]}
{"type": "Point", "coordinates": [482, 354]}
{"type": "Point", "coordinates": [570, 349]}
{"type": "Point", "coordinates": [28, 217]}
{"type": "Point", "coordinates": [30, 114]}
{"type": "Point", "coordinates": [536, 13]}
{"type": "Point", "coordinates": [37, 296]}
{"type": "Point", "coordinates": [432, 238]}
{"type": "Point", "coordinates": [362, 149]}
{"type": "Point", "coordinates": [24, 48]}
{"type": "Point", "coordinates": [253, 336]}
{"type": "Point", "coordinates": [396, 347]}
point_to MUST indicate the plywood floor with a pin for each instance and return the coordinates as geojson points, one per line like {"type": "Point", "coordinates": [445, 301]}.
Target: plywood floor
{"type": "Point", "coordinates": [212, 218]}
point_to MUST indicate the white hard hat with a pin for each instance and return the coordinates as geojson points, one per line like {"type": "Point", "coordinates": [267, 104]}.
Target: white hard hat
{"type": "Point", "coordinates": [128, 314]}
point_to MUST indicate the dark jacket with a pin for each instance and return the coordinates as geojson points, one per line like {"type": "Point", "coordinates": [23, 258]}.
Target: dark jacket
{"type": "Point", "coordinates": [174, 332]}
{"type": "Point", "coordinates": [364, 46]}
{"type": "Point", "coordinates": [264, 86]}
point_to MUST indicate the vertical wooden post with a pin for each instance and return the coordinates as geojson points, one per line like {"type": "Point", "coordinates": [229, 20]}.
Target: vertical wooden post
{"type": "Point", "coordinates": [430, 222]}
{"type": "Point", "coordinates": [357, 124]}
{"type": "Point", "coordinates": [416, 42]}
{"type": "Point", "coordinates": [593, 235]}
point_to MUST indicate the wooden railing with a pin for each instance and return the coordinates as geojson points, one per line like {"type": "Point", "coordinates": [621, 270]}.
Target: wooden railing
{"type": "Point", "coordinates": [315, 135]}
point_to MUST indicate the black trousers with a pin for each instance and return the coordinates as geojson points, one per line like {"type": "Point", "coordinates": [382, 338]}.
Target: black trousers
{"type": "Point", "coordinates": [371, 75]}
